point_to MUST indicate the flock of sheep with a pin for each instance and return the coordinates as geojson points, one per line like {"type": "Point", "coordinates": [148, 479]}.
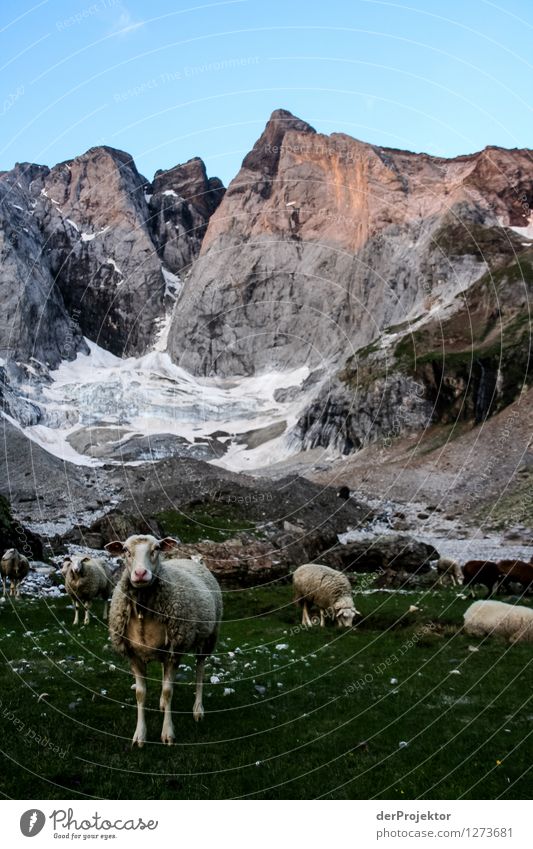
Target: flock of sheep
{"type": "Point", "coordinates": [163, 607]}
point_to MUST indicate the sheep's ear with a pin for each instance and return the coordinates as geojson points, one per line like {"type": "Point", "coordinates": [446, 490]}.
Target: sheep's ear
{"type": "Point", "coordinates": [84, 560]}
{"type": "Point", "coordinates": [115, 547]}
{"type": "Point", "coordinates": [168, 544]}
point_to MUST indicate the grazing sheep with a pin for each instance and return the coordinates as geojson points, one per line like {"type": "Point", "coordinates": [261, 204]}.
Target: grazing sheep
{"type": "Point", "coordinates": [328, 589]}
{"type": "Point", "coordinates": [511, 621]}
{"type": "Point", "coordinates": [15, 567]}
{"type": "Point", "coordinates": [483, 572]}
{"type": "Point", "coordinates": [447, 567]}
{"type": "Point", "coordinates": [515, 572]}
{"type": "Point", "coordinates": [85, 580]}
{"type": "Point", "coordinates": [161, 609]}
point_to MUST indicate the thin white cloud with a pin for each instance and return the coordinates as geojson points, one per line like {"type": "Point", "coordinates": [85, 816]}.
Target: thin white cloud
{"type": "Point", "coordinates": [125, 23]}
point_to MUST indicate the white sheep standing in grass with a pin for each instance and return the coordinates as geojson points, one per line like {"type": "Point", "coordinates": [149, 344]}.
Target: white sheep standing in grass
{"type": "Point", "coordinates": [162, 609]}
{"type": "Point", "coordinates": [85, 580]}
{"type": "Point", "coordinates": [487, 618]}
{"type": "Point", "coordinates": [326, 588]}
{"type": "Point", "coordinates": [447, 567]}
{"type": "Point", "coordinates": [15, 567]}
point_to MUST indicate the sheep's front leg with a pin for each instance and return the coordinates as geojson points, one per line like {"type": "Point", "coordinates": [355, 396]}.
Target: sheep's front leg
{"type": "Point", "coordinates": [322, 618]}
{"type": "Point", "coordinates": [198, 708]}
{"type": "Point", "coordinates": [76, 612]}
{"type": "Point", "coordinates": [167, 732]}
{"type": "Point", "coordinates": [106, 607]}
{"type": "Point", "coordinates": [87, 608]}
{"type": "Point", "coordinates": [306, 619]}
{"type": "Point", "coordinates": [4, 585]}
{"type": "Point", "coordinates": [12, 587]}
{"type": "Point", "coordinates": [139, 670]}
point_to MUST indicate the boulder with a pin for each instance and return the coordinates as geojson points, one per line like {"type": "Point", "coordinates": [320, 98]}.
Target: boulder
{"type": "Point", "coordinates": [238, 564]}
{"type": "Point", "coordinates": [395, 551]}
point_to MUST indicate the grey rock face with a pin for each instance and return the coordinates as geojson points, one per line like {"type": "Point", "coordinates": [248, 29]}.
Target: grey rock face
{"type": "Point", "coordinates": [34, 322]}
{"type": "Point", "coordinates": [348, 418]}
{"type": "Point", "coordinates": [98, 246]}
{"type": "Point", "coordinates": [82, 251]}
{"type": "Point", "coordinates": [181, 202]}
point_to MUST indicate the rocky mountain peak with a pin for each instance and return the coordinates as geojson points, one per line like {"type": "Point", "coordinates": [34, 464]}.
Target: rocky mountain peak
{"type": "Point", "coordinates": [264, 156]}
{"type": "Point", "coordinates": [191, 183]}
{"type": "Point", "coordinates": [101, 186]}
{"type": "Point", "coordinates": [83, 250]}
{"type": "Point", "coordinates": [331, 239]}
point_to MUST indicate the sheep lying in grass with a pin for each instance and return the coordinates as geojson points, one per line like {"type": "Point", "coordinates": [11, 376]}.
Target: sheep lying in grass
{"type": "Point", "coordinates": [15, 567]}
{"type": "Point", "coordinates": [511, 621]}
{"type": "Point", "coordinates": [161, 609]}
{"type": "Point", "coordinates": [86, 579]}
{"type": "Point", "coordinates": [326, 588]}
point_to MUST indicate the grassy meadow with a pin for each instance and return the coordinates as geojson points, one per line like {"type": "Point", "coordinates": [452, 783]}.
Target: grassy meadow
{"type": "Point", "coordinates": [405, 706]}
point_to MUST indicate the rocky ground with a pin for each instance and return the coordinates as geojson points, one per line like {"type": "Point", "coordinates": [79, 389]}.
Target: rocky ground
{"type": "Point", "coordinates": [467, 481]}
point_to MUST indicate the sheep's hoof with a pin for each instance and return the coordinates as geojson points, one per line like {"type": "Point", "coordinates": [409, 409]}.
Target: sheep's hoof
{"type": "Point", "coordinates": [138, 740]}
{"type": "Point", "coordinates": [167, 739]}
{"type": "Point", "coordinates": [198, 713]}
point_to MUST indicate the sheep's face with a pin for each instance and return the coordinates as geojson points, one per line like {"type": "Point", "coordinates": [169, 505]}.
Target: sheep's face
{"type": "Point", "coordinates": [345, 613]}
{"type": "Point", "coordinates": [345, 617]}
{"type": "Point", "coordinates": [141, 557]}
{"type": "Point", "coordinates": [77, 566]}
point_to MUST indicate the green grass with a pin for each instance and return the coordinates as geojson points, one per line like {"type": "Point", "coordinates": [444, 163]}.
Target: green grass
{"type": "Point", "coordinates": [455, 239]}
{"type": "Point", "coordinates": [328, 722]}
{"type": "Point", "coordinates": [220, 522]}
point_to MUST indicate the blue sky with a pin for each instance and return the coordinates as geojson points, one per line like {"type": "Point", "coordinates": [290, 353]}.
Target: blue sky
{"type": "Point", "coordinates": [170, 80]}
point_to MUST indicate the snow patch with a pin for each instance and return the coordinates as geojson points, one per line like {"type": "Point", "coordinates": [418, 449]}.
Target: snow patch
{"type": "Point", "coordinates": [110, 261]}
{"type": "Point", "coordinates": [88, 237]}
{"type": "Point", "coordinates": [151, 395]}
{"type": "Point", "coordinates": [526, 231]}
{"type": "Point", "coordinates": [173, 283]}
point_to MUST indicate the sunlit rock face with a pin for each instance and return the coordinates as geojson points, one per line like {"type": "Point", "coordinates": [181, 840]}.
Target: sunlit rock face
{"type": "Point", "coordinates": [322, 242]}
